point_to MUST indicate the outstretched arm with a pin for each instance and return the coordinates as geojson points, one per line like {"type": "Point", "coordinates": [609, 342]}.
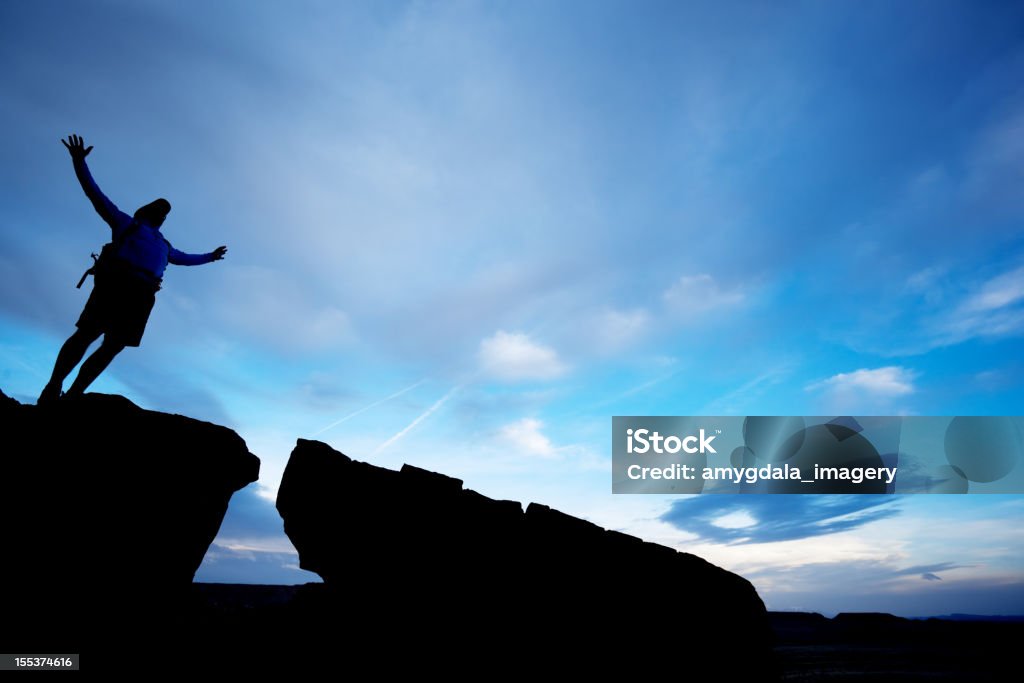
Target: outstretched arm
{"type": "Point", "coordinates": [180, 258]}
{"type": "Point", "coordinates": [114, 217]}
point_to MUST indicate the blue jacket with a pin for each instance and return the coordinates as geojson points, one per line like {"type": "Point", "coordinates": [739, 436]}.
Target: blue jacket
{"type": "Point", "coordinates": [144, 247]}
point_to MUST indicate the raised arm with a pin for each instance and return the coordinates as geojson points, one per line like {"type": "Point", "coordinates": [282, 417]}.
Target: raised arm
{"type": "Point", "coordinates": [108, 211]}
{"type": "Point", "coordinates": [180, 258]}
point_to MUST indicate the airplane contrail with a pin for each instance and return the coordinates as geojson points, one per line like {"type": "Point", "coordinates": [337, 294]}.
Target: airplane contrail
{"type": "Point", "coordinates": [427, 413]}
{"type": "Point", "coordinates": [372, 405]}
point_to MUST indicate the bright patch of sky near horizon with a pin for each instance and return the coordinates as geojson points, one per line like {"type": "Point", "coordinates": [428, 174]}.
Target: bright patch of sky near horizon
{"type": "Point", "coordinates": [463, 235]}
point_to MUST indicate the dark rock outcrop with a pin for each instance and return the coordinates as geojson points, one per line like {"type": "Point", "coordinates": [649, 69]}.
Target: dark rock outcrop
{"type": "Point", "coordinates": [106, 512]}
{"type": "Point", "coordinates": [397, 549]}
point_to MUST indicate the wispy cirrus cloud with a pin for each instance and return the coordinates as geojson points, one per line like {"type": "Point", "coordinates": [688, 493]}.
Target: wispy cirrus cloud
{"type": "Point", "coordinates": [939, 307]}
{"type": "Point", "coordinates": [769, 518]}
{"type": "Point", "coordinates": [993, 309]}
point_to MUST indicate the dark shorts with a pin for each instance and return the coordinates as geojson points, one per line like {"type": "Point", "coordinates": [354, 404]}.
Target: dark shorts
{"type": "Point", "coordinates": [119, 307]}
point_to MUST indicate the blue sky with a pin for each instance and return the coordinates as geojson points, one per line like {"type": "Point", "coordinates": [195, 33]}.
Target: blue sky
{"type": "Point", "coordinates": [464, 235]}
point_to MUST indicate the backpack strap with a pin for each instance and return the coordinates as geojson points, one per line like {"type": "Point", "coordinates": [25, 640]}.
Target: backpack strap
{"type": "Point", "coordinates": [90, 271]}
{"type": "Point", "coordinates": [111, 248]}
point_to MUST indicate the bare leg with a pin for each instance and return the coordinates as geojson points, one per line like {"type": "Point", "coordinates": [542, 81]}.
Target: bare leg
{"type": "Point", "coordinates": [94, 365]}
{"type": "Point", "coordinates": [70, 355]}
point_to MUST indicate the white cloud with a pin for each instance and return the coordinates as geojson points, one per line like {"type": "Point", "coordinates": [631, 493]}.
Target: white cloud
{"type": "Point", "coordinates": [740, 519]}
{"type": "Point", "coordinates": [258, 544]}
{"type": "Point", "coordinates": [513, 356]}
{"type": "Point", "coordinates": [889, 381]}
{"type": "Point", "coordinates": [868, 392]}
{"type": "Point", "coordinates": [525, 435]}
{"type": "Point", "coordinates": [700, 293]}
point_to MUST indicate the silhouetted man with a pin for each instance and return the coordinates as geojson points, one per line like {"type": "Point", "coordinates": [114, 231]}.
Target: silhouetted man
{"type": "Point", "coordinates": [126, 282]}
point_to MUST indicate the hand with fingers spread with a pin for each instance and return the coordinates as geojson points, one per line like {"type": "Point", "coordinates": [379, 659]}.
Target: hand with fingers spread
{"type": "Point", "coordinates": [219, 252]}
{"type": "Point", "coordinates": [76, 147]}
